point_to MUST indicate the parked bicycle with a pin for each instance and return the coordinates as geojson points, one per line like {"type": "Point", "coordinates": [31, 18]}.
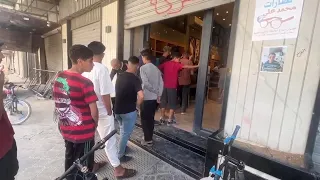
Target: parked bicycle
{"type": "Point", "coordinates": [73, 171]}
{"type": "Point", "coordinates": [230, 168]}
{"type": "Point", "coordinates": [18, 110]}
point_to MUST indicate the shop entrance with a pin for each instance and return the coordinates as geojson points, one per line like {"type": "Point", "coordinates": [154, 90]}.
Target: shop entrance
{"type": "Point", "coordinates": [185, 34]}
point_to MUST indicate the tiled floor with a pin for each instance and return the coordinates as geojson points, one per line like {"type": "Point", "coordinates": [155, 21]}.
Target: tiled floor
{"type": "Point", "coordinates": [211, 116]}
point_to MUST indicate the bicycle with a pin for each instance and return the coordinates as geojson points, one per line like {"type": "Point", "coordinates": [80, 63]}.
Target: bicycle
{"type": "Point", "coordinates": [77, 165]}
{"type": "Point", "coordinates": [230, 168]}
{"type": "Point", "coordinates": [13, 105]}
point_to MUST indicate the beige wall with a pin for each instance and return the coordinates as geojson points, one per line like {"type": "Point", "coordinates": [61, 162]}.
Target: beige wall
{"type": "Point", "coordinates": [275, 110]}
{"type": "Point", "coordinates": [110, 40]}
{"type": "Point", "coordinates": [64, 46]}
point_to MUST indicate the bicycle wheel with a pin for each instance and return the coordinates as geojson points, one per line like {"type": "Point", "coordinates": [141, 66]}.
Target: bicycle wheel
{"type": "Point", "coordinates": [18, 111]}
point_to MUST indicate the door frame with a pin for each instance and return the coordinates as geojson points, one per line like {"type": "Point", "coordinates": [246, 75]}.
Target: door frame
{"type": "Point", "coordinates": [197, 126]}
{"type": "Point", "coordinates": [203, 67]}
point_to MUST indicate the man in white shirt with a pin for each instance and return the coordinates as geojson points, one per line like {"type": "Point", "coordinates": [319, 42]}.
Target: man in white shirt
{"type": "Point", "coordinates": [103, 87]}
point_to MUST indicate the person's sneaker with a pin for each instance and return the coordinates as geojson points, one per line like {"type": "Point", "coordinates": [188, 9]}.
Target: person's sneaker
{"type": "Point", "coordinates": [125, 159]}
{"type": "Point", "coordinates": [147, 143]}
{"type": "Point", "coordinates": [183, 113]}
{"type": "Point", "coordinates": [170, 122]}
{"type": "Point", "coordinates": [174, 121]}
{"type": "Point", "coordinates": [162, 120]}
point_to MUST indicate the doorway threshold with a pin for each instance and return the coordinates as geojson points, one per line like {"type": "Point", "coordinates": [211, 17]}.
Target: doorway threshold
{"type": "Point", "coordinates": [189, 140]}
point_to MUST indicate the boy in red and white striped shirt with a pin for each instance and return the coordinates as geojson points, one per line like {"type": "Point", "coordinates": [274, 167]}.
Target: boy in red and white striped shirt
{"type": "Point", "coordinates": [75, 103]}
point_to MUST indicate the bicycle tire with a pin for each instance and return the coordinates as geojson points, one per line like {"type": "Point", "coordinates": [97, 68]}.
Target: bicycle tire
{"type": "Point", "coordinates": [25, 118]}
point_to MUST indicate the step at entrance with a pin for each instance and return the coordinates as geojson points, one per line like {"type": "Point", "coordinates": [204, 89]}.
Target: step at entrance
{"type": "Point", "coordinates": [180, 157]}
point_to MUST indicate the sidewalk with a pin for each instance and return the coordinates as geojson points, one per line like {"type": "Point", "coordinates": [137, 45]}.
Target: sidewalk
{"type": "Point", "coordinates": [41, 149]}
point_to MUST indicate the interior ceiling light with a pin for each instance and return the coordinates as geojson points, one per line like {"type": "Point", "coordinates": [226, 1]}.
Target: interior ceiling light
{"type": "Point", "coordinates": [217, 14]}
{"type": "Point", "coordinates": [227, 12]}
{"type": "Point", "coordinates": [229, 24]}
{"type": "Point", "coordinates": [224, 19]}
{"type": "Point", "coordinates": [213, 27]}
{"type": "Point", "coordinates": [26, 18]}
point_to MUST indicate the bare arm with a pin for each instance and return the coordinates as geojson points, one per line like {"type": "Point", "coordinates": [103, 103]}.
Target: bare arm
{"type": "Point", "coordinates": [94, 112]}
{"type": "Point", "coordinates": [140, 98]}
{"type": "Point", "coordinates": [190, 67]}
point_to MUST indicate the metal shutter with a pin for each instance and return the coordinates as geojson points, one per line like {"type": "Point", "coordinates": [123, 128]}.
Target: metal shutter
{"type": "Point", "coordinates": [86, 34]}
{"type": "Point", "coordinates": [141, 12]}
{"type": "Point", "coordinates": [53, 48]}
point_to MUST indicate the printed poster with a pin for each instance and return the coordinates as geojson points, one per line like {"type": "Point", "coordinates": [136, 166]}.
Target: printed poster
{"type": "Point", "coordinates": [272, 59]}
{"type": "Point", "coordinates": [276, 19]}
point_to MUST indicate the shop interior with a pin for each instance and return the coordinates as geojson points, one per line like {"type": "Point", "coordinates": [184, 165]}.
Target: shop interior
{"type": "Point", "coordinates": [184, 33]}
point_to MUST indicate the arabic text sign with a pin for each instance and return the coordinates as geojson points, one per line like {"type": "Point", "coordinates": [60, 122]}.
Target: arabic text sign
{"type": "Point", "coordinates": [276, 19]}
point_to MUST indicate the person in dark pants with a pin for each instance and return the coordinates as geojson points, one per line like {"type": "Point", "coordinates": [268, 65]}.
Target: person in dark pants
{"type": "Point", "coordinates": [152, 85]}
{"type": "Point", "coordinates": [184, 82]}
{"type": "Point", "coordinates": [171, 71]}
{"type": "Point", "coordinates": [75, 103]}
{"type": "Point", "coordinates": [9, 164]}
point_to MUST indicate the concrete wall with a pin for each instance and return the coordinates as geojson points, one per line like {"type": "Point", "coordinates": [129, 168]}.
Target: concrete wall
{"type": "Point", "coordinates": [110, 40]}
{"type": "Point", "coordinates": [65, 58]}
{"type": "Point", "coordinates": [275, 110]}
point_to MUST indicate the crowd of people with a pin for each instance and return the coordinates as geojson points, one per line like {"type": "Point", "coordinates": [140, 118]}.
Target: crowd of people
{"type": "Point", "coordinates": [89, 98]}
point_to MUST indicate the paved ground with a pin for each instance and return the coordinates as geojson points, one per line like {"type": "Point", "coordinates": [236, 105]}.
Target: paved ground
{"type": "Point", "coordinates": [41, 149]}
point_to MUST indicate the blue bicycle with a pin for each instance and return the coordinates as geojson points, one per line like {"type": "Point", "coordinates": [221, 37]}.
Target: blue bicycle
{"type": "Point", "coordinates": [229, 168]}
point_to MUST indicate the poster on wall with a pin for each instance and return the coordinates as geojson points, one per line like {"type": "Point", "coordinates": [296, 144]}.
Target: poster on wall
{"type": "Point", "coordinates": [276, 19]}
{"type": "Point", "coordinates": [272, 59]}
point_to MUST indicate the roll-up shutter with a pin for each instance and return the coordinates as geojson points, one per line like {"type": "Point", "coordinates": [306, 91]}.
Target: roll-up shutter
{"type": "Point", "coordinates": [86, 34]}
{"type": "Point", "coordinates": [141, 12]}
{"type": "Point", "coordinates": [53, 48]}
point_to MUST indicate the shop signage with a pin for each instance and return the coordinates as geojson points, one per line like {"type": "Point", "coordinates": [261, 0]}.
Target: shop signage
{"type": "Point", "coordinates": [276, 19]}
{"type": "Point", "coordinates": [273, 58]}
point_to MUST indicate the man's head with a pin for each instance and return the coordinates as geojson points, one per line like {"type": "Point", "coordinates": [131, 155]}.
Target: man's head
{"type": "Point", "coordinates": [176, 56]}
{"type": "Point", "coordinates": [272, 56]}
{"type": "Point", "coordinates": [185, 55]}
{"type": "Point", "coordinates": [1, 54]}
{"type": "Point", "coordinates": [146, 56]}
{"type": "Point", "coordinates": [98, 50]}
{"type": "Point", "coordinates": [81, 56]}
{"type": "Point", "coordinates": [115, 64]}
{"type": "Point", "coordinates": [133, 64]}
{"type": "Point", "coordinates": [166, 51]}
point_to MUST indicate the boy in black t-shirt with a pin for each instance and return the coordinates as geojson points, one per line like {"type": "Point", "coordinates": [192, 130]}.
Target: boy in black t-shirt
{"type": "Point", "coordinates": [128, 87]}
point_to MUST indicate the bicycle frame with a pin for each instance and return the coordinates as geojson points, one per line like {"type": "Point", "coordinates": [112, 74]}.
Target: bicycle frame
{"type": "Point", "coordinates": [11, 98]}
{"type": "Point", "coordinates": [233, 167]}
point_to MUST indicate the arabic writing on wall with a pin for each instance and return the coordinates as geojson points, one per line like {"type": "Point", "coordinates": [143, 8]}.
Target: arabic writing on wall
{"type": "Point", "coordinates": [277, 19]}
{"type": "Point", "coordinates": [168, 6]}
{"type": "Point", "coordinates": [275, 3]}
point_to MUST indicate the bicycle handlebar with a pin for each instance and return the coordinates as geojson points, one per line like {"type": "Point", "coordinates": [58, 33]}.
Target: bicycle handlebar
{"type": "Point", "coordinates": [84, 157]}
{"type": "Point", "coordinates": [229, 140]}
